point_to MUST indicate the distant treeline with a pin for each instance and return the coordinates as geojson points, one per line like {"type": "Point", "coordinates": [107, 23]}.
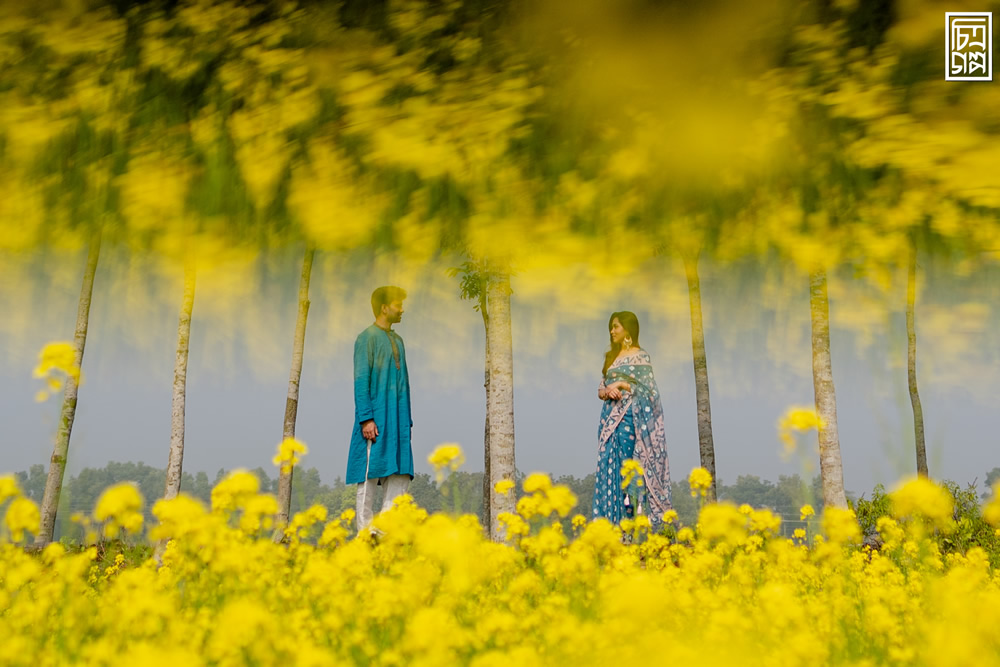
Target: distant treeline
{"type": "Point", "coordinates": [463, 491]}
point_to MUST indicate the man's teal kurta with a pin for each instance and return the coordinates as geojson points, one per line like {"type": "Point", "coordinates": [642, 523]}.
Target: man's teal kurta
{"type": "Point", "coordinates": [382, 393]}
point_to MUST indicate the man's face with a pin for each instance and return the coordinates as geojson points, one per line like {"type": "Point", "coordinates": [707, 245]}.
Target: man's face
{"type": "Point", "coordinates": [393, 311]}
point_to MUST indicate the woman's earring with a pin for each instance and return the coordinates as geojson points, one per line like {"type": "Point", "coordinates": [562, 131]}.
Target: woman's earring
{"type": "Point", "coordinates": [627, 343]}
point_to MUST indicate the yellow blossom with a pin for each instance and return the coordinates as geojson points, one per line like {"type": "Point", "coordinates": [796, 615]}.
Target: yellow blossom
{"type": "Point", "coordinates": [700, 481]}
{"type": "Point", "coordinates": [513, 525]}
{"type": "Point", "coordinates": [504, 486]}
{"type": "Point", "coordinates": [543, 498]}
{"type": "Point", "coordinates": [537, 481]}
{"type": "Point", "coordinates": [177, 517]}
{"type": "Point", "coordinates": [631, 471]}
{"type": "Point", "coordinates": [232, 492]}
{"type": "Point", "coordinates": [991, 512]}
{"type": "Point", "coordinates": [274, 603]}
{"type": "Point", "coordinates": [56, 362]}
{"type": "Point", "coordinates": [303, 521]}
{"type": "Point", "coordinates": [447, 456]}
{"type": "Point", "coordinates": [797, 419]}
{"type": "Point", "coordinates": [288, 454]}
{"type": "Point", "coordinates": [841, 525]}
{"type": "Point", "coordinates": [258, 513]}
{"type": "Point", "coordinates": [120, 507]}
{"type": "Point", "coordinates": [335, 532]}
{"type": "Point", "coordinates": [22, 515]}
{"type": "Point", "coordinates": [765, 521]}
{"type": "Point", "coordinates": [920, 497]}
{"type": "Point", "coordinates": [8, 487]}
{"type": "Point", "coordinates": [805, 512]}
{"type": "Point", "coordinates": [722, 522]}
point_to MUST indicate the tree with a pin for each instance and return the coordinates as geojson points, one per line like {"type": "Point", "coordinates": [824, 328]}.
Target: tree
{"type": "Point", "coordinates": [57, 464]}
{"type": "Point", "coordinates": [992, 477]}
{"type": "Point", "coordinates": [155, 187]}
{"type": "Point", "coordinates": [830, 464]}
{"type": "Point", "coordinates": [292, 401]}
{"type": "Point", "coordinates": [32, 482]}
{"type": "Point", "coordinates": [175, 460]}
{"type": "Point", "coordinates": [474, 284]}
{"type": "Point", "coordinates": [70, 157]}
{"type": "Point", "coordinates": [911, 362]}
{"type": "Point", "coordinates": [706, 444]}
{"type": "Point", "coordinates": [500, 400]}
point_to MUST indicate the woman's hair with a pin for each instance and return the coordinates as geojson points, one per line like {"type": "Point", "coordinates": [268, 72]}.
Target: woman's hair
{"type": "Point", "coordinates": [630, 323]}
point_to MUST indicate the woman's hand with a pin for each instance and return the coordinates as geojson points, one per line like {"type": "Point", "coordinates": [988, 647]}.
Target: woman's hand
{"type": "Point", "coordinates": [615, 389]}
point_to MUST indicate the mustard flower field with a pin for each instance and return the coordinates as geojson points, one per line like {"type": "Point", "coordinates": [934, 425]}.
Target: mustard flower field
{"type": "Point", "coordinates": [425, 589]}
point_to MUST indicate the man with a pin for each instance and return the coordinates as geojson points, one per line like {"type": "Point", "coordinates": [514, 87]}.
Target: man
{"type": "Point", "coordinates": [380, 444]}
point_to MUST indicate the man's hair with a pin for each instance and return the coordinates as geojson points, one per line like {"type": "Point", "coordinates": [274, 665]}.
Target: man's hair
{"type": "Point", "coordinates": [383, 296]}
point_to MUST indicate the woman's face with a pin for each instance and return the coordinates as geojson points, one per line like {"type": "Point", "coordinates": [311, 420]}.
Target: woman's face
{"type": "Point", "coordinates": [618, 332]}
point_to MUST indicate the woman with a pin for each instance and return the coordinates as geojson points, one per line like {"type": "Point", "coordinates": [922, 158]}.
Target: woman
{"type": "Point", "coordinates": [631, 428]}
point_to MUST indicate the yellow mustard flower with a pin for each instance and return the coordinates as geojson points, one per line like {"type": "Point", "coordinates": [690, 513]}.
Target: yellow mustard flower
{"type": "Point", "coordinates": [447, 456]}
{"type": "Point", "coordinates": [22, 515]}
{"type": "Point", "coordinates": [537, 481]}
{"type": "Point", "coordinates": [288, 454]}
{"type": "Point", "coordinates": [513, 525]}
{"type": "Point", "coordinates": [258, 513]}
{"type": "Point", "coordinates": [722, 522]}
{"type": "Point", "coordinates": [700, 481]}
{"type": "Point", "coordinates": [920, 497]}
{"type": "Point", "coordinates": [233, 492]}
{"type": "Point", "coordinates": [797, 419]}
{"type": "Point", "coordinates": [840, 525]}
{"type": "Point", "coordinates": [56, 361]}
{"type": "Point", "coordinates": [504, 486]}
{"type": "Point", "coordinates": [177, 517]}
{"type": "Point", "coordinates": [631, 471]}
{"type": "Point", "coordinates": [765, 521]}
{"type": "Point", "coordinates": [8, 487]}
{"type": "Point", "coordinates": [120, 507]}
{"type": "Point", "coordinates": [303, 521]}
{"type": "Point", "coordinates": [991, 512]}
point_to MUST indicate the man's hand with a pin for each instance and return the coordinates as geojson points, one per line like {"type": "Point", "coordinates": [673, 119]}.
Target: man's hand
{"type": "Point", "coordinates": [369, 430]}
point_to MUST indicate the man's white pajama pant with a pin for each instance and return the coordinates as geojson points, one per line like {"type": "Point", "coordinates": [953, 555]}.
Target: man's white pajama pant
{"type": "Point", "coordinates": [395, 486]}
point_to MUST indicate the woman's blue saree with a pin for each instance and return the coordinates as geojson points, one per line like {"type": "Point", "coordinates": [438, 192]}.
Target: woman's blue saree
{"type": "Point", "coordinates": [632, 428]}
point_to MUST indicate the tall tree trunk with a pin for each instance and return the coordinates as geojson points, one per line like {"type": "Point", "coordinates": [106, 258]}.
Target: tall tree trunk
{"type": "Point", "coordinates": [706, 445]}
{"type": "Point", "coordinates": [500, 399]}
{"type": "Point", "coordinates": [292, 401]}
{"type": "Point", "coordinates": [487, 489]}
{"type": "Point", "coordinates": [176, 459]}
{"type": "Point", "coordinates": [911, 362]}
{"type": "Point", "coordinates": [57, 464]}
{"type": "Point", "coordinates": [830, 465]}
